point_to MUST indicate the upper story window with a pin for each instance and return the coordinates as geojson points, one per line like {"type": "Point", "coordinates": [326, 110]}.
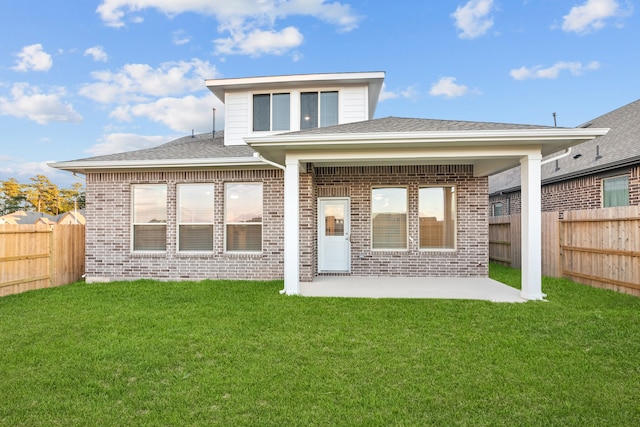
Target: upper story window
{"type": "Point", "coordinates": [318, 109]}
{"type": "Point", "coordinates": [271, 112]}
{"type": "Point", "coordinates": [615, 191]}
{"type": "Point", "coordinates": [149, 203]}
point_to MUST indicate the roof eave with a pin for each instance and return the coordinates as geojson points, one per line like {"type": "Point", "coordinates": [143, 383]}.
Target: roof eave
{"type": "Point", "coordinates": [84, 166]}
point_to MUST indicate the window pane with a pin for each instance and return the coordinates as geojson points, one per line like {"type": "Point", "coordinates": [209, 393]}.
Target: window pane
{"type": "Point", "coordinates": [497, 209]}
{"type": "Point", "coordinates": [244, 237]}
{"type": "Point", "coordinates": [334, 220]}
{"type": "Point", "coordinates": [281, 112]}
{"type": "Point", "coordinates": [437, 214]}
{"type": "Point", "coordinates": [149, 237]}
{"type": "Point", "coordinates": [243, 203]}
{"type": "Point", "coordinates": [328, 108]}
{"type": "Point", "coordinates": [195, 203]}
{"type": "Point", "coordinates": [261, 112]}
{"type": "Point", "coordinates": [149, 204]}
{"type": "Point", "coordinates": [308, 110]}
{"type": "Point", "coordinates": [243, 216]}
{"type": "Point", "coordinates": [389, 218]}
{"type": "Point", "coordinates": [616, 192]}
{"type": "Point", "coordinates": [196, 238]}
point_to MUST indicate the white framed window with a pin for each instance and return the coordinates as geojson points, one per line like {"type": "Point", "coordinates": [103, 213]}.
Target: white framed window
{"type": "Point", "coordinates": [497, 209]}
{"type": "Point", "coordinates": [195, 208]}
{"type": "Point", "coordinates": [318, 109]}
{"type": "Point", "coordinates": [149, 217]}
{"type": "Point", "coordinates": [243, 217]}
{"type": "Point", "coordinates": [389, 218]}
{"type": "Point", "coordinates": [437, 215]}
{"type": "Point", "coordinates": [615, 191]}
{"type": "Point", "coordinates": [271, 112]}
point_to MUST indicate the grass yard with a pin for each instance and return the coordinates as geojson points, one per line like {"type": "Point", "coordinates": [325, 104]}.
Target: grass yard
{"type": "Point", "coordinates": [238, 353]}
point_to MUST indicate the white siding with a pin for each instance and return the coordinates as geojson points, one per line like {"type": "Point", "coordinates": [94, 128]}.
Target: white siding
{"type": "Point", "coordinates": [354, 104]}
{"type": "Point", "coordinates": [238, 115]}
{"type": "Point", "coordinates": [237, 111]}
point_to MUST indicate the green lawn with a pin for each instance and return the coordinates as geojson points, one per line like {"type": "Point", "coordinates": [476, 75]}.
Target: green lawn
{"type": "Point", "coordinates": [239, 353]}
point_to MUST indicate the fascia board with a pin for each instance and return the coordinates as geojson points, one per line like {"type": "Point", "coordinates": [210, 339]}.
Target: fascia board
{"type": "Point", "coordinates": [147, 164]}
{"type": "Point", "coordinates": [220, 86]}
{"type": "Point", "coordinates": [518, 135]}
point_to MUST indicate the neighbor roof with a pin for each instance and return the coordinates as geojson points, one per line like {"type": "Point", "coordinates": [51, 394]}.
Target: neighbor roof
{"type": "Point", "coordinates": [620, 147]}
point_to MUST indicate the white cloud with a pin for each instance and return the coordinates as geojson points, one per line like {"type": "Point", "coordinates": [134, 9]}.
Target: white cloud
{"type": "Point", "coordinates": [180, 37]}
{"type": "Point", "coordinates": [591, 15]}
{"type": "Point", "coordinates": [97, 53]}
{"type": "Point", "coordinates": [121, 142]}
{"type": "Point", "coordinates": [259, 42]}
{"type": "Point", "coordinates": [26, 101]}
{"type": "Point", "coordinates": [141, 82]}
{"type": "Point", "coordinates": [473, 19]}
{"type": "Point", "coordinates": [112, 12]}
{"type": "Point", "coordinates": [33, 58]}
{"type": "Point", "coordinates": [447, 87]}
{"type": "Point", "coordinates": [180, 114]}
{"type": "Point", "coordinates": [249, 25]}
{"type": "Point", "coordinates": [537, 72]}
{"type": "Point", "coordinates": [410, 92]}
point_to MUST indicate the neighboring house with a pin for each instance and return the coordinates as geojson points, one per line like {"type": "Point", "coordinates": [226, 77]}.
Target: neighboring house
{"type": "Point", "coordinates": [599, 173]}
{"type": "Point", "coordinates": [305, 182]}
{"type": "Point", "coordinates": [28, 217]}
{"type": "Point", "coordinates": [71, 218]}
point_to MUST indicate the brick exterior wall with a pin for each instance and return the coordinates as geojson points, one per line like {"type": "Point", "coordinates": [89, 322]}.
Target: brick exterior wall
{"type": "Point", "coordinates": [108, 231]}
{"type": "Point", "coordinates": [575, 194]}
{"type": "Point", "coordinates": [470, 259]}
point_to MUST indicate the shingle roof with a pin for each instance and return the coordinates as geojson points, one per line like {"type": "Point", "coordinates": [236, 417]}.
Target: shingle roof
{"type": "Point", "coordinates": [201, 146]}
{"type": "Point", "coordinates": [619, 147]}
{"type": "Point", "coordinates": [401, 124]}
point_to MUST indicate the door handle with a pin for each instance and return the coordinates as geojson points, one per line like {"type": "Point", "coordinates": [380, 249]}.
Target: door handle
{"type": "Point", "coordinates": [347, 236]}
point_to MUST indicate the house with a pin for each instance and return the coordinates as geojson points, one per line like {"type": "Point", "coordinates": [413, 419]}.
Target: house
{"type": "Point", "coordinates": [75, 217]}
{"type": "Point", "coordinates": [27, 217]}
{"type": "Point", "coordinates": [599, 173]}
{"type": "Point", "coordinates": [304, 181]}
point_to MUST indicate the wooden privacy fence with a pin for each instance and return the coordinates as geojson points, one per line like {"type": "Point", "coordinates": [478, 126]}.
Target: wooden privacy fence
{"type": "Point", "coordinates": [598, 247]}
{"type": "Point", "coordinates": [40, 256]}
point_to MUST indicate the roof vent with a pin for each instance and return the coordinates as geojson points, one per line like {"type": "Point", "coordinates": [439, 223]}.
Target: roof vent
{"type": "Point", "coordinates": [598, 156]}
{"type": "Point", "coordinates": [577, 156]}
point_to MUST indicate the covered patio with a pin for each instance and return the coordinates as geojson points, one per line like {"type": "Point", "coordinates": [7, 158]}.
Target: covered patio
{"type": "Point", "coordinates": [484, 289]}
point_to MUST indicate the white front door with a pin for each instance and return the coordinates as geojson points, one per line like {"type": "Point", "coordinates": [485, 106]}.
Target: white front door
{"type": "Point", "coordinates": [334, 232]}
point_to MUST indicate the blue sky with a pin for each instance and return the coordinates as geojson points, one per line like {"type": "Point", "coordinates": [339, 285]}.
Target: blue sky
{"type": "Point", "coordinates": [80, 78]}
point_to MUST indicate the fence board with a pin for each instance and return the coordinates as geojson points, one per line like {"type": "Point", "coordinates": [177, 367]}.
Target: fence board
{"type": "Point", "coordinates": [39, 256]}
{"type": "Point", "coordinates": [601, 248]}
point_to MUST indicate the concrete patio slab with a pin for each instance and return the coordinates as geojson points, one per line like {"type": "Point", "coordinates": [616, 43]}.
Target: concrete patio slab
{"type": "Point", "coordinates": [410, 287]}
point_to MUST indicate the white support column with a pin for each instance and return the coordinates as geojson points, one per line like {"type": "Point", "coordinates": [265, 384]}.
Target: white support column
{"type": "Point", "coordinates": [292, 227]}
{"type": "Point", "coordinates": [531, 228]}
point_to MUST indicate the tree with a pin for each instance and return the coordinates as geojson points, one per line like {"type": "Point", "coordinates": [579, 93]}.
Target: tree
{"type": "Point", "coordinates": [12, 196]}
{"type": "Point", "coordinates": [72, 198]}
{"type": "Point", "coordinates": [43, 195]}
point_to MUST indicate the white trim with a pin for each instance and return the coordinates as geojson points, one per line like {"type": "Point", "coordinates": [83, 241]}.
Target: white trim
{"type": "Point", "coordinates": [322, 225]}
{"type": "Point", "coordinates": [531, 219]}
{"type": "Point", "coordinates": [292, 227]}
{"type": "Point", "coordinates": [77, 165]}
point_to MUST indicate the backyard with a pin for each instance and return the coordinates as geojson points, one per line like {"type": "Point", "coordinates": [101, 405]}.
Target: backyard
{"type": "Point", "coordinates": [239, 353]}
